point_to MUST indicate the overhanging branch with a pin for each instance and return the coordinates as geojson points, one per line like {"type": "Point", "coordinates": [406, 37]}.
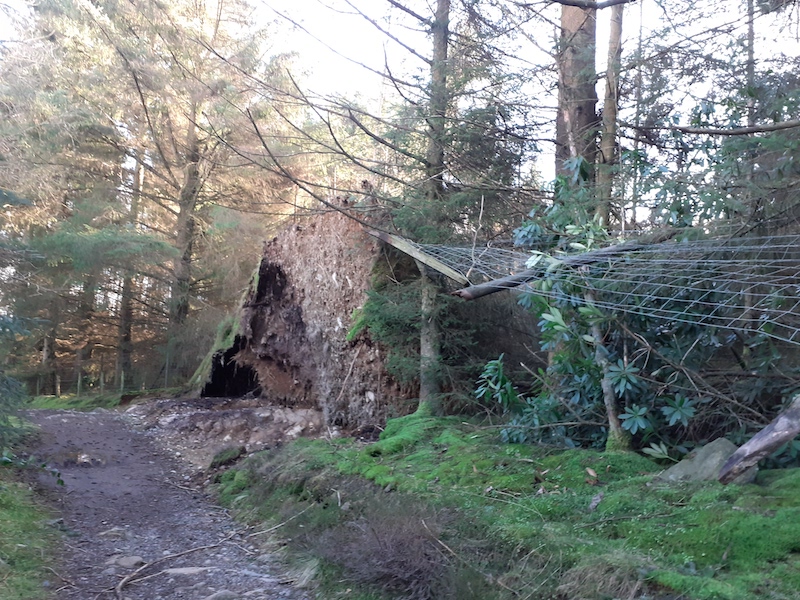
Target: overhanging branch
{"type": "Point", "coordinates": [590, 4]}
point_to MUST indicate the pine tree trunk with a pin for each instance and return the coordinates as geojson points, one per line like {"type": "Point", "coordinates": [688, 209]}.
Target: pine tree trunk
{"type": "Point", "coordinates": [125, 329]}
{"type": "Point", "coordinates": [84, 345]}
{"type": "Point", "coordinates": [438, 103]}
{"type": "Point", "coordinates": [185, 228]}
{"type": "Point", "coordinates": [125, 322]}
{"type": "Point", "coordinates": [576, 120]}
{"type": "Point", "coordinates": [429, 342]}
{"type": "Point", "coordinates": [429, 346]}
{"type": "Point", "coordinates": [608, 139]}
{"type": "Point", "coordinates": [49, 363]}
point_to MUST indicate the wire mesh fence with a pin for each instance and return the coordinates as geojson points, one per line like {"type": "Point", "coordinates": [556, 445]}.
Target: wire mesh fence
{"type": "Point", "coordinates": [738, 284]}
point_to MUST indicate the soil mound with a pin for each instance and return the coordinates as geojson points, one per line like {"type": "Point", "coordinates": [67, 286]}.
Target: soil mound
{"type": "Point", "coordinates": [292, 346]}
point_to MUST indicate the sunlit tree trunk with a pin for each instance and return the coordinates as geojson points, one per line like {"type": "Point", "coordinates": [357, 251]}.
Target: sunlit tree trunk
{"type": "Point", "coordinates": [84, 344]}
{"type": "Point", "coordinates": [185, 226]}
{"type": "Point", "coordinates": [128, 288]}
{"type": "Point", "coordinates": [576, 121]}
{"type": "Point", "coordinates": [429, 382]}
{"type": "Point", "coordinates": [608, 140]}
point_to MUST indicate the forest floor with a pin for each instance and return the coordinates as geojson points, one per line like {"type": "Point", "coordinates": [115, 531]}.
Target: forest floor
{"type": "Point", "coordinates": [135, 521]}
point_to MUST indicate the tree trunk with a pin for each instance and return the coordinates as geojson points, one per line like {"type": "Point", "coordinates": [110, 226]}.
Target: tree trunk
{"type": "Point", "coordinates": [429, 339]}
{"type": "Point", "coordinates": [125, 329]}
{"type": "Point", "coordinates": [125, 323]}
{"type": "Point", "coordinates": [618, 439]}
{"type": "Point", "coordinates": [780, 431]}
{"type": "Point", "coordinates": [84, 345]}
{"type": "Point", "coordinates": [429, 346]}
{"type": "Point", "coordinates": [49, 363]}
{"type": "Point", "coordinates": [608, 138]}
{"type": "Point", "coordinates": [434, 170]}
{"type": "Point", "coordinates": [576, 121]}
{"type": "Point", "coordinates": [185, 227]}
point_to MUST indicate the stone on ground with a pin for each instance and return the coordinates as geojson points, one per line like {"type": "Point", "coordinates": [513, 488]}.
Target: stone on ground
{"type": "Point", "coordinates": [704, 464]}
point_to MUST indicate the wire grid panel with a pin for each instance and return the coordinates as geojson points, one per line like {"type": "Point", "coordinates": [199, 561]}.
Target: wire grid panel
{"type": "Point", "coordinates": [742, 284]}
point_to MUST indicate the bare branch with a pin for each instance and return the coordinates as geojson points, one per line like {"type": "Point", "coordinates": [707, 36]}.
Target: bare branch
{"type": "Point", "coordinates": [739, 130]}
{"type": "Point", "coordinates": [394, 38]}
{"type": "Point", "coordinates": [590, 4]}
{"type": "Point", "coordinates": [408, 11]}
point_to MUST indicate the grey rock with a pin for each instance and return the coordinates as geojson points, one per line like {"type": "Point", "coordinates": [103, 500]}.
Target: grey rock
{"type": "Point", "coordinates": [186, 570]}
{"type": "Point", "coordinates": [704, 464]}
{"type": "Point", "coordinates": [115, 533]}
{"type": "Point", "coordinates": [130, 562]}
{"type": "Point", "coordinates": [223, 595]}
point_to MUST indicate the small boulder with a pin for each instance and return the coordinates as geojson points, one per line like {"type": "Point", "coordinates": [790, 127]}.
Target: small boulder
{"type": "Point", "coordinates": [115, 533]}
{"type": "Point", "coordinates": [704, 464]}
{"type": "Point", "coordinates": [223, 595]}
{"type": "Point", "coordinates": [130, 562]}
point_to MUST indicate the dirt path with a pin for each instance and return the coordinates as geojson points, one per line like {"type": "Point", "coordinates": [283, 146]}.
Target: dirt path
{"type": "Point", "coordinates": [126, 504]}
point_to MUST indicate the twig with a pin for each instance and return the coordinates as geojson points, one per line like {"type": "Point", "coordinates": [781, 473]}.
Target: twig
{"type": "Point", "coordinates": [624, 518]}
{"type": "Point", "coordinates": [457, 557]}
{"type": "Point", "coordinates": [135, 575]}
{"type": "Point", "coordinates": [61, 577]}
{"type": "Point", "coordinates": [635, 590]}
{"type": "Point", "coordinates": [347, 377]}
{"type": "Point", "coordinates": [180, 487]}
{"type": "Point", "coordinates": [279, 525]}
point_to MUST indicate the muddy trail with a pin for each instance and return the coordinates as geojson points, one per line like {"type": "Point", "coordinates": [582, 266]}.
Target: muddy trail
{"type": "Point", "coordinates": [136, 524]}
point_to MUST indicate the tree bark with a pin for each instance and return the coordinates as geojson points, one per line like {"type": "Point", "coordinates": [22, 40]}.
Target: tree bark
{"type": "Point", "coordinates": [434, 169]}
{"type": "Point", "coordinates": [608, 138]}
{"type": "Point", "coordinates": [617, 437]}
{"type": "Point", "coordinates": [783, 429]}
{"type": "Point", "coordinates": [429, 346]}
{"type": "Point", "coordinates": [125, 323]}
{"type": "Point", "coordinates": [185, 226]}
{"type": "Point", "coordinates": [576, 120]}
{"type": "Point", "coordinates": [429, 339]}
{"type": "Point", "coordinates": [84, 344]}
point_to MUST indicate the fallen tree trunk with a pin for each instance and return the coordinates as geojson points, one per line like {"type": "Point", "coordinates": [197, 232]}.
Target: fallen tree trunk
{"type": "Point", "coordinates": [783, 429]}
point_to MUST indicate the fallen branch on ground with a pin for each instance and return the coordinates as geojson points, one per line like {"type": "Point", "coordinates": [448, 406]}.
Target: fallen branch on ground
{"type": "Point", "coordinates": [135, 576]}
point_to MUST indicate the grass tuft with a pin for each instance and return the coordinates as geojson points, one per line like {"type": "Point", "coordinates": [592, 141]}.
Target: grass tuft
{"type": "Point", "coordinates": [440, 509]}
{"type": "Point", "coordinates": [25, 541]}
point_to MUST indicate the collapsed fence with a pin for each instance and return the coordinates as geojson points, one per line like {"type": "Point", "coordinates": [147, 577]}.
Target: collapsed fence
{"type": "Point", "coordinates": [739, 284]}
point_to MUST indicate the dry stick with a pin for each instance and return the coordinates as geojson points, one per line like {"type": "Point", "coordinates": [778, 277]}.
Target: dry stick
{"type": "Point", "coordinates": [347, 377]}
{"type": "Point", "coordinates": [457, 557]}
{"type": "Point", "coordinates": [62, 578]}
{"type": "Point", "coordinates": [279, 525]}
{"type": "Point", "coordinates": [691, 375]}
{"type": "Point", "coordinates": [133, 576]}
{"type": "Point", "coordinates": [624, 518]}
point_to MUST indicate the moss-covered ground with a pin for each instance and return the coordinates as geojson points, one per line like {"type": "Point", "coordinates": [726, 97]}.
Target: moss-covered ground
{"type": "Point", "coordinates": [26, 541]}
{"type": "Point", "coordinates": [90, 401]}
{"type": "Point", "coordinates": [440, 509]}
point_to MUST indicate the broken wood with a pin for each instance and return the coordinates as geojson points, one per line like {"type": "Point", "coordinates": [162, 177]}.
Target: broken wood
{"type": "Point", "coordinates": [405, 246]}
{"type": "Point", "coordinates": [782, 430]}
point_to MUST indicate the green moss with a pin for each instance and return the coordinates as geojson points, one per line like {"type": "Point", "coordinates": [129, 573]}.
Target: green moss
{"type": "Point", "coordinates": [227, 456]}
{"type": "Point", "coordinates": [225, 336]}
{"type": "Point", "coordinates": [25, 542]}
{"type": "Point", "coordinates": [233, 484]}
{"type": "Point", "coordinates": [72, 402]}
{"type": "Point", "coordinates": [575, 514]}
{"type": "Point", "coordinates": [700, 588]}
